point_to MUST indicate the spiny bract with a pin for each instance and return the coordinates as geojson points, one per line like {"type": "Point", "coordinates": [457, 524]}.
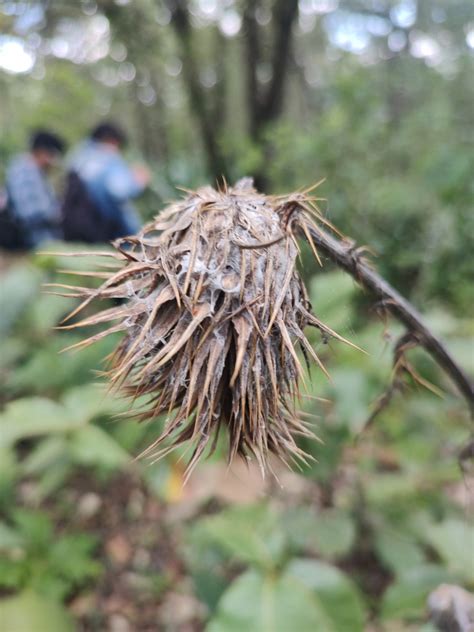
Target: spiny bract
{"type": "Point", "coordinates": [214, 312]}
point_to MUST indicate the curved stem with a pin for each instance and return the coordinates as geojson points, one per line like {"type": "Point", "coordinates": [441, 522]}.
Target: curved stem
{"type": "Point", "coordinates": [345, 256]}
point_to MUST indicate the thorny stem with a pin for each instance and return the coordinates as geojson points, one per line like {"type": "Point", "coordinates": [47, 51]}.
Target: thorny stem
{"type": "Point", "coordinates": [345, 256]}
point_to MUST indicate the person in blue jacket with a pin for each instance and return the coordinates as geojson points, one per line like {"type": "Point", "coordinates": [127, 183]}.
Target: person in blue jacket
{"type": "Point", "coordinates": [110, 181]}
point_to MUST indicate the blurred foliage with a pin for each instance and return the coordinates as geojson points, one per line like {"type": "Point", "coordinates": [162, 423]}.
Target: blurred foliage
{"type": "Point", "coordinates": [41, 561]}
{"type": "Point", "coordinates": [390, 128]}
{"type": "Point", "coordinates": [369, 532]}
{"type": "Point", "coordinates": [363, 534]}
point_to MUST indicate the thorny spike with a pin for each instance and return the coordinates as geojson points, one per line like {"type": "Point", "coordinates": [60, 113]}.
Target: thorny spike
{"type": "Point", "coordinates": [213, 309]}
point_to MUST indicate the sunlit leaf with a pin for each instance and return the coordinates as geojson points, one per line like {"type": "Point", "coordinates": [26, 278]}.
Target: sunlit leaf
{"type": "Point", "coordinates": [44, 455]}
{"type": "Point", "coordinates": [335, 592]}
{"type": "Point", "coordinates": [453, 540]}
{"type": "Point", "coordinates": [329, 532]}
{"type": "Point", "coordinates": [9, 538]}
{"type": "Point", "coordinates": [263, 603]}
{"type": "Point", "coordinates": [28, 612]}
{"type": "Point", "coordinates": [398, 551]}
{"type": "Point", "coordinates": [250, 534]}
{"type": "Point", "coordinates": [32, 417]}
{"type": "Point", "coordinates": [92, 446]}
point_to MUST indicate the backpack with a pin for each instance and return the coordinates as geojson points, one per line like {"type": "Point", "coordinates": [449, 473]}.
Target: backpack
{"type": "Point", "coordinates": [12, 235]}
{"type": "Point", "coordinates": [82, 220]}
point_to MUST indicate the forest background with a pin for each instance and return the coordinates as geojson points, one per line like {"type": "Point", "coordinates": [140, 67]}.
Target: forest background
{"type": "Point", "coordinates": [376, 97]}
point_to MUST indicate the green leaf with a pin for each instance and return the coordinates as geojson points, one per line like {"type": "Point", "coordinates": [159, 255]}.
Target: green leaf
{"type": "Point", "coordinates": [398, 552]}
{"type": "Point", "coordinates": [71, 557]}
{"type": "Point", "coordinates": [90, 445]}
{"type": "Point", "coordinates": [55, 477]}
{"type": "Point", "coordinates": [92, 400]}
{"type": "Point", "coordinates": [47, 311]}
{"type": "Point", "coordinates": [335, 592]}
{"type": "Point", "coordinates": [207, 567]}
{"type": "Point", "coordinates": [35, 527]}
{"type": "Point", "coordinates": [330, 532]}
{"type": "Point", "coordinates": [9, 538]}
{"type": "Point", "coordinates": [18, 287]}
{"type": "Point", "coordinates": [12, 350]}
{"type": "Point", "coordinates": [47, 370]}
{"type": "Point", "coordinates": [28, 612]}
{"type": "Point", "coordinates": [388, 489]}
{"type": "Point", "coordinates": [263, 603]}
{"type": "Point", "coordinates": [334, 533]}
{"type": "Point", "coordinates": [32, 417]}
{"type": "Point", "coordinates": [298, 524]}
{"type": "Point", "coordinates": [48, 451]}
{"type": "Point", "coordinates": [249, 534]}
{"type": "Point", "coordinates": [453, 540]}
{"type": "Point", "coordinates": [352, 396]}
{"type": "Point", "coordinates": [407, 596]}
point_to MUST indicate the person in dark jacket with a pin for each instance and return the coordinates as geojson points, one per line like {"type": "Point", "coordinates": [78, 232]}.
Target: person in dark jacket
{"type": "Point", "coordinates": [33, 207]}
{"type": "Point", "coordinates": [110, 183]}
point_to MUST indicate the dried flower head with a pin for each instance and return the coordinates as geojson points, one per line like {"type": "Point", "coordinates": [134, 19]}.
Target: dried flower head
{"type": "Point", "coordinates": [213, 315]}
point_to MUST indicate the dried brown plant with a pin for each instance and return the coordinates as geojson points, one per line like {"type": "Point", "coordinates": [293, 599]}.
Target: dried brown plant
{"type": "Point", "coordinates": [214, 314]}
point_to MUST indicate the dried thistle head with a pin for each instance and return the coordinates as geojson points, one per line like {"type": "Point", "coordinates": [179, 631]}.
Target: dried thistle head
{"type": "Point", "coordinates": [213, 316]}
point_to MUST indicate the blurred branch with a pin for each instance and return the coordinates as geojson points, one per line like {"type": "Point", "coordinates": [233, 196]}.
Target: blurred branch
{"type": "Point", "coordinates": [265, 103]}
{"type": "Point", "coordinates": [252, 59]}
{"type": "Point", "coordinates": [265, 106]}
{"type": "Point", "coordinates": [284, 14]}
{"type": "Point", "coordinates": [347, 257]}
{"type": "Point", "coordinates": [180, 21]}
{"type": "Point", "coordinates": [220, 89]}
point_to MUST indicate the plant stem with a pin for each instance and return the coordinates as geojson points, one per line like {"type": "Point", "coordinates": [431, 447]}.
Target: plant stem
{"type": "Point", "coordinates": [344, 254]}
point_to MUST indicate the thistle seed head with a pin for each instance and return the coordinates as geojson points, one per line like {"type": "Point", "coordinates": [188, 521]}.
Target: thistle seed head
{"type": "Point", "coordinates": [213, 316]}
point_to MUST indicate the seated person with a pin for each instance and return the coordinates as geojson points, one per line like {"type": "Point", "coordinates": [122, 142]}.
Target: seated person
{"type": "Point", "coordinates": [100, 185]}
{"type": "Point", "coordinates": [32, 213]}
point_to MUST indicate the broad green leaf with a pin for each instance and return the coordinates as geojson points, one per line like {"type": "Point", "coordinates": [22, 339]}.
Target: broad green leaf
{"type": "Point", "coordinates": [32, 417]}
{"type": "Point", "coordinates": [29, 612]}
{"type": "Point", "coordinates": [37, 416]}
{"type": "Point", "coordinates": [47, 311]}
{"type": "Point", "coordinates": [45, 454]}
{"type": "Point", "coordinates": [250, 534]}
{"type": "Point", "coordinates": [18, 287]}
{"type": "Point", "coordinates": [454, 541]}
{"type": "Point", "coordinates": [91, 400]}
{"type": "Point", "coordinates": [386, 489]}
{"type": "Point", "coordinates": [407, 596]}
{"type": "Point", "coordinates": [12, 350]}
{"type": "Point", "coordinates": [352, 396]}
{"type": "Point", "coordinates": [264, 603]}
{"type": "Point", "coordinates": [55, 477]}
{"type": "Point", "coordinates": [49, 370]}
{"type": "Point", "coordinates": [298, 524]}
{"type": "Point", "coordinates": [398, 551]}
{"type": "Point", "coordinates": [207, 566]}
{"type": "Point", "coordinates": [92, 446]}
{"type": "Point", "coordinates": [329, 532]}
{"type": "Point", "coordinates": [9, 538]}
{"type": "Point", "coordinates": [335, 592]}
{"type": "Point", "coordinates": [334, 533]}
